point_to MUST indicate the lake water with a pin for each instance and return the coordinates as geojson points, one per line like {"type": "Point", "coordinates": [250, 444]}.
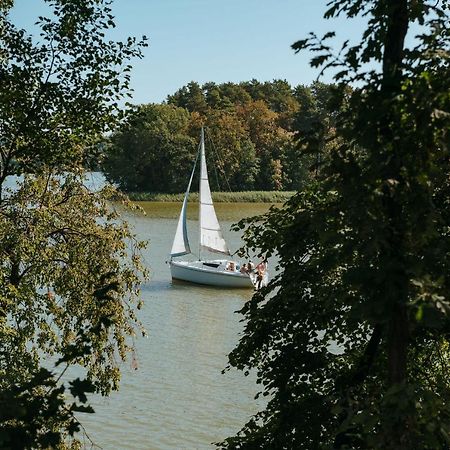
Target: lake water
{"type": "Point", "coordinates": [178, 398]}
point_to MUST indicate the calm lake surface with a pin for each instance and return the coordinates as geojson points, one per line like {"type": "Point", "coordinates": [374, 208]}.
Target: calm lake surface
{"type": "Point", "coordinates": [178, 398]}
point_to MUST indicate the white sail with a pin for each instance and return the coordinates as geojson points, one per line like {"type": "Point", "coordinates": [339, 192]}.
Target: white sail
{"type": "Point", "coordinates": [210, 234]}
{"type": "Point", "coordinates": [180, 244]}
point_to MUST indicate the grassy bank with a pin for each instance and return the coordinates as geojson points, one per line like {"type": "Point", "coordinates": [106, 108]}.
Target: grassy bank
{"type": "Point", "coordinates": [219, 197]}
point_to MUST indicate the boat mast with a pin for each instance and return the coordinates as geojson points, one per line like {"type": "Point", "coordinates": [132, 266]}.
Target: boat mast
{"type": "Point", "coordinates": [202, 155]}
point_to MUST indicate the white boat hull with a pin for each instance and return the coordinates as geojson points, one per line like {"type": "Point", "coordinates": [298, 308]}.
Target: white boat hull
{"type": "Point", "coordinates": [201, 272]}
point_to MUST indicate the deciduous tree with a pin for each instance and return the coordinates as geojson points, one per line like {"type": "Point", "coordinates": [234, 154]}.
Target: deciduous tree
{"type": "Point", "coordinates": [153, 152]}
{"type": "Point", "coordinates": [350, 339]}
{"type": "Point", "coordinates": [69, 272]}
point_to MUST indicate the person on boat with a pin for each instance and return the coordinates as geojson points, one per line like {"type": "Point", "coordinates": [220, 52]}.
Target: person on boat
{"type": "Point", "coordinates": [250, 267]}
{"type": "Point", "coordinates": [244, 269]}
{"type": "Point", "coordinates": [259, 280]}
{"type": "Point", "coordinates": [262, 266]}
{"type": "Point", "coordinates": [231, 267]}
{"type": "Point", "coordinates": [260, 271]}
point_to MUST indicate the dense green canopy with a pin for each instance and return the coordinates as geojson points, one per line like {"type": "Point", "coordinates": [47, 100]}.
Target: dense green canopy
{"type": "Point", "coordinates": [251, 130]}
{"type": "Point", "coordinates": [69, 270]}
{"type": "Point", "coordinates": [351, 339]}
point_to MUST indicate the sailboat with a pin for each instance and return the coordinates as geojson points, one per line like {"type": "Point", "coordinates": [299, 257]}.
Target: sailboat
{"type": "Point", "coordinates": [213, 272]}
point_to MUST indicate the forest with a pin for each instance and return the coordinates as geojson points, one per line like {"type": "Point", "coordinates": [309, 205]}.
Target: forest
{"type": "Point", "coordinates": [253, 131]}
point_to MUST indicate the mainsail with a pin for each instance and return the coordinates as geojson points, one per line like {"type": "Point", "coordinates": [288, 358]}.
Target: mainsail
{"type": "Point", "coordinates": [210, 234]}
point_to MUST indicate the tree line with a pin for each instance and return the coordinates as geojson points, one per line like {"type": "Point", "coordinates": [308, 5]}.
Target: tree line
{"type": "Point", "coordinates": [252, 134]}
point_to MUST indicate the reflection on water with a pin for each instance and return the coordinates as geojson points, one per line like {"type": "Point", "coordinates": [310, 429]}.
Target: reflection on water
{"type": "Point", "coordinates": [178, 398]}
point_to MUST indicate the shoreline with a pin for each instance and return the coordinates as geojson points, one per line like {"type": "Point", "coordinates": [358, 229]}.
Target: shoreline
{"type": "Point", "coordinates": [218, 197]}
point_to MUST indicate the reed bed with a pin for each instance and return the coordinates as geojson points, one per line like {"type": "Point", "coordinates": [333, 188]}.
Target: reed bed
{"type": "Point", "coordinates": [219, 197]}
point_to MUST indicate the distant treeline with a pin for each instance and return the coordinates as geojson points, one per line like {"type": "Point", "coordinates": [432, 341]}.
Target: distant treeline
{"type": "Point", "coordinates": [253, 137]}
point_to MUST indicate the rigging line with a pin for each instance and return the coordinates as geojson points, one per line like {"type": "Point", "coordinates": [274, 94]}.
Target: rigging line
{"type": "Point", "coordinates": [214, 165]}
{"type": "Point", "coordinates": [221, 161]}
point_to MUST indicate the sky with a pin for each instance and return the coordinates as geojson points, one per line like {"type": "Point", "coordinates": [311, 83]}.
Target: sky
{"type": "Point", "coordinates": [214, 40]}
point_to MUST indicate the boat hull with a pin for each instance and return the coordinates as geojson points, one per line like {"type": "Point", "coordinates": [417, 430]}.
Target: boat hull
{"type": "Point", "coordinates": [200, 272]}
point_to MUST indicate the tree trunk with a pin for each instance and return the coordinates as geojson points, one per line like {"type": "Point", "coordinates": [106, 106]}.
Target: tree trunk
{"type": "Point", "coordinates": [397, 345]}
{"type": "Point", "coordinates": [397, 286]}
{"type": "Point", "coordinates": [394, 44]}
{"type": "Point", "coordinates": [392, 75]}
